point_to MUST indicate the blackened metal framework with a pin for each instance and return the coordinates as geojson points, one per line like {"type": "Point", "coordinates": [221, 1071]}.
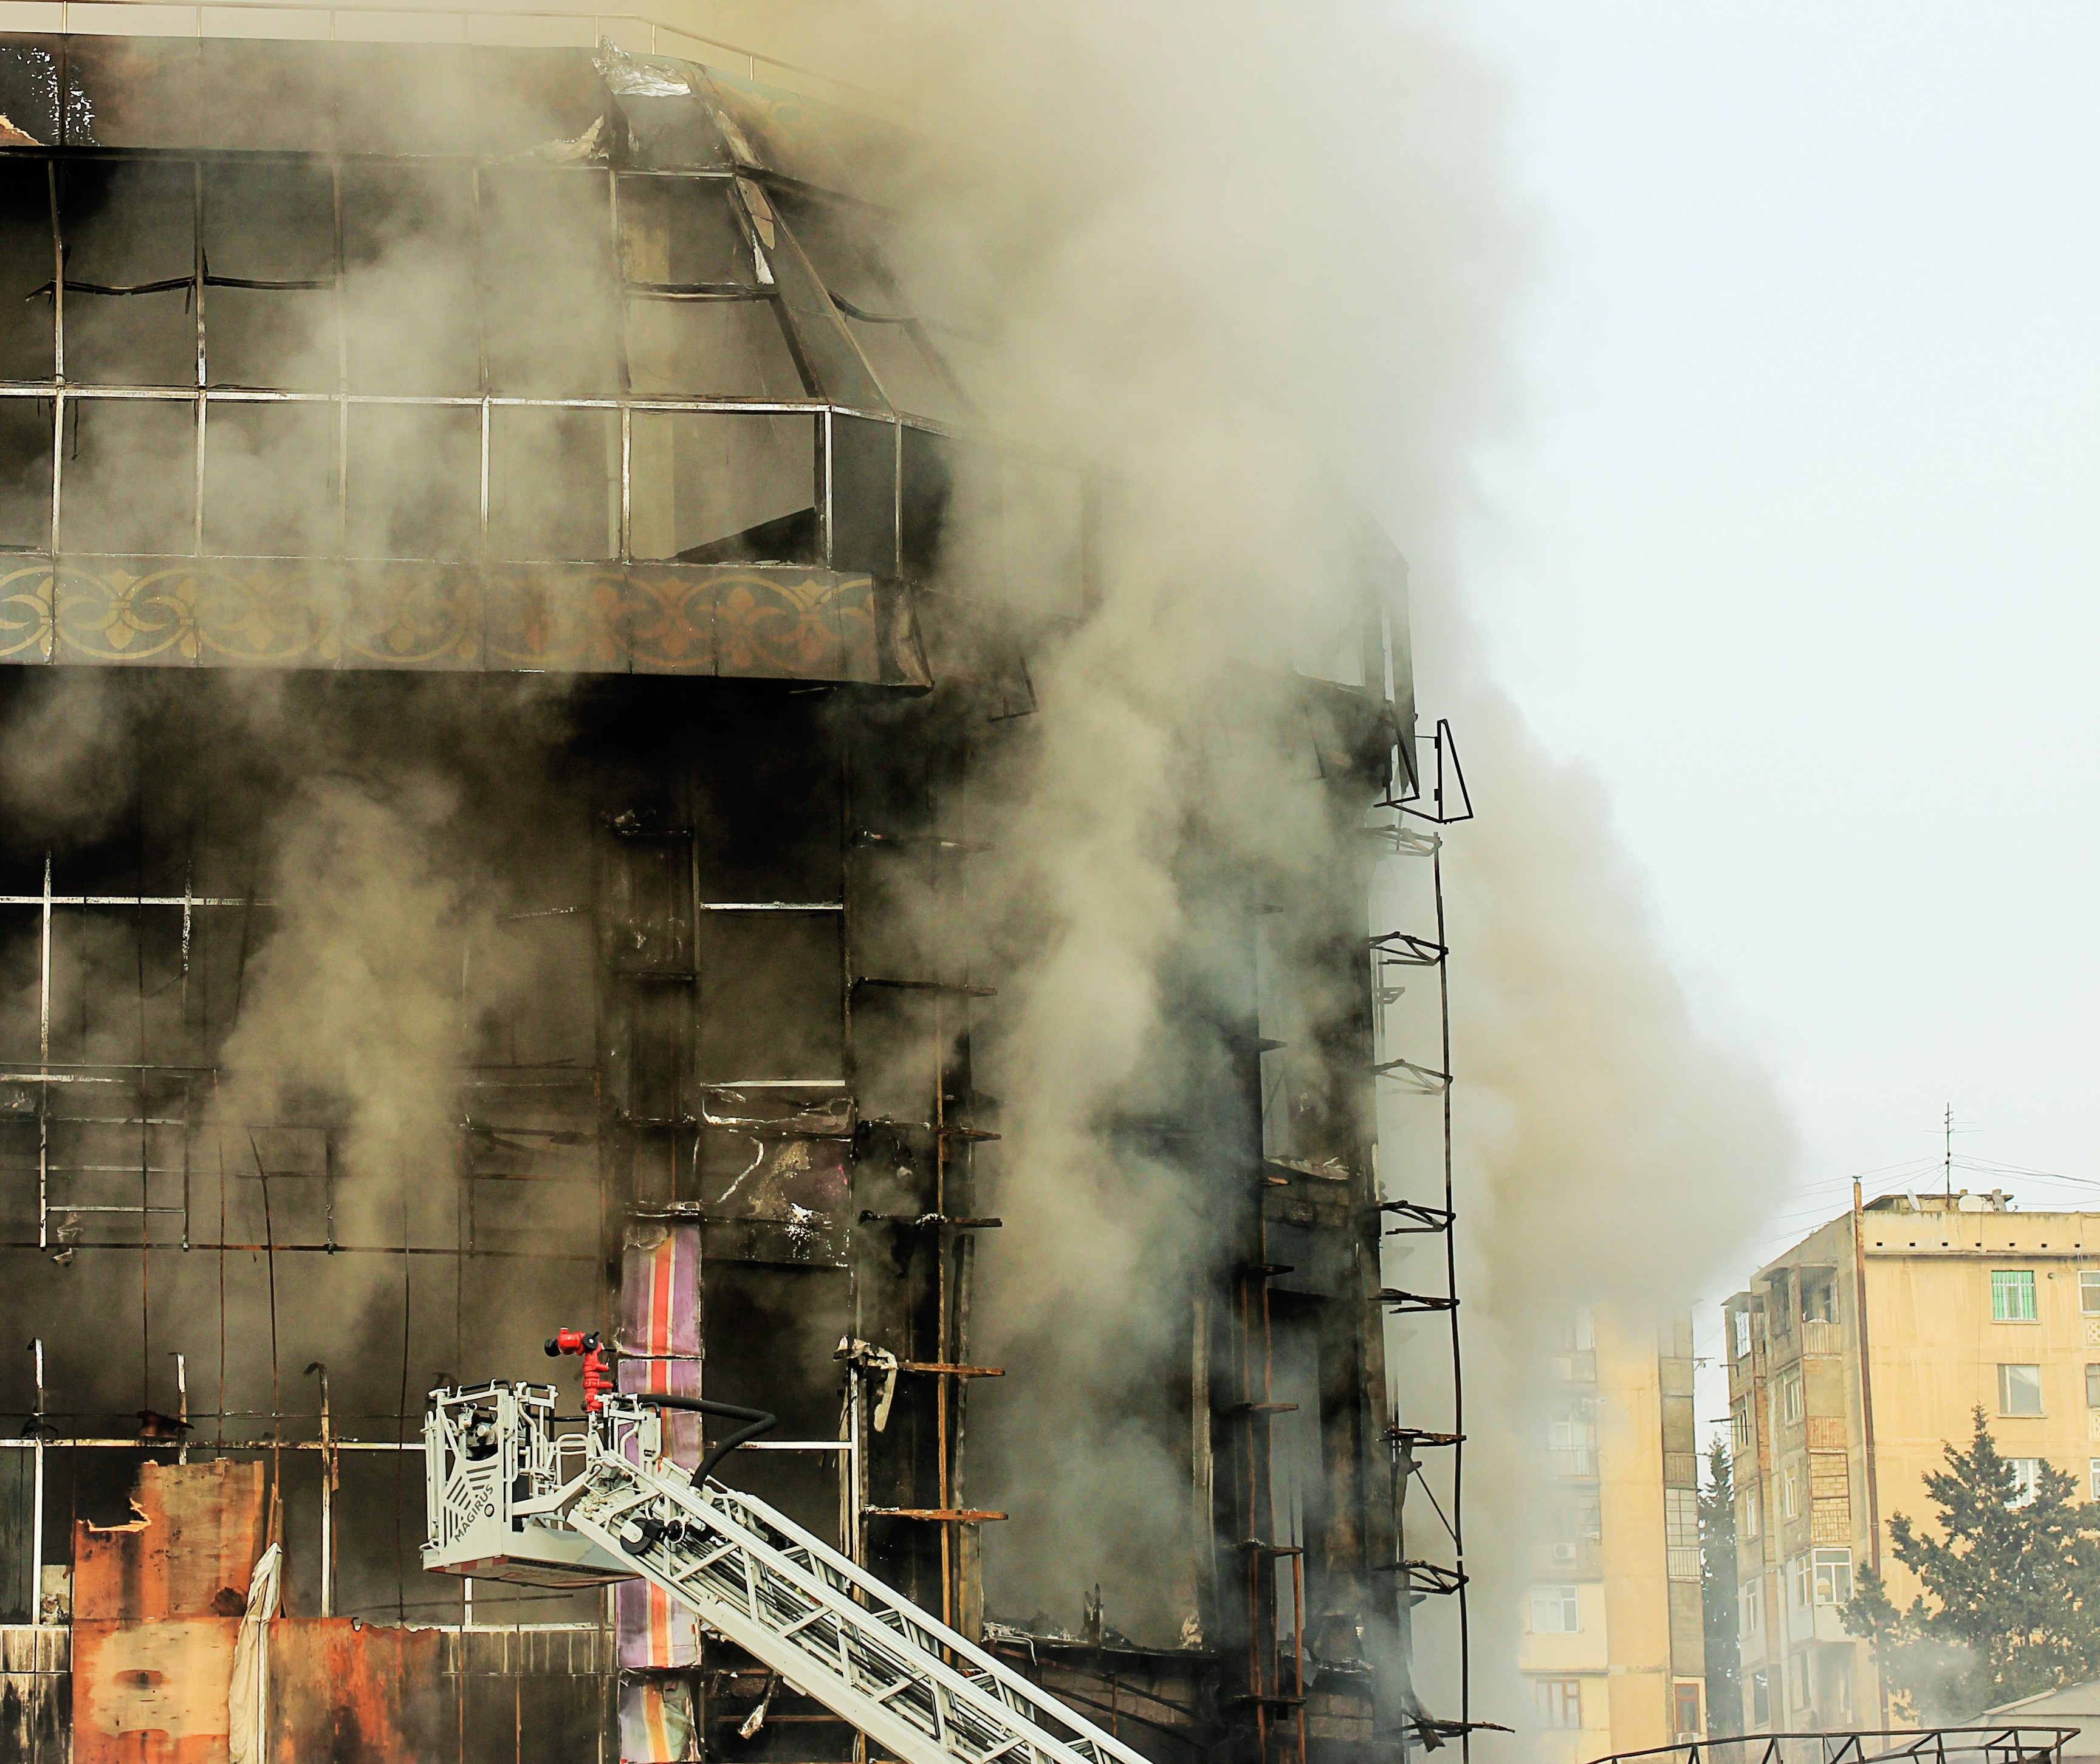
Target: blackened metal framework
{"type": "Point", "coordinates": [204, 394]}
{"type": "Point", "coordinates": [903, 1004]}
{"type": "Point", "coordinates": [1416, 832]}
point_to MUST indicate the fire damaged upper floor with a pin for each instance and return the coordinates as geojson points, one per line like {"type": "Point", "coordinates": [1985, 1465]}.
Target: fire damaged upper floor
{"type": "Point", "coordinates": [366, 355]}
{"type": "Point", "coordinates": [368, 1013]}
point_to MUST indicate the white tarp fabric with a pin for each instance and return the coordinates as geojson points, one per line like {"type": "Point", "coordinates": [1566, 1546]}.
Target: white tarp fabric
{"type": "Point", "coordinates": [246, 1741]}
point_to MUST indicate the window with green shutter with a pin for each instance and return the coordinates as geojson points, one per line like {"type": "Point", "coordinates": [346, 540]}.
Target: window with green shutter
{"type": "Point", "coordinates": [2012, 1295]}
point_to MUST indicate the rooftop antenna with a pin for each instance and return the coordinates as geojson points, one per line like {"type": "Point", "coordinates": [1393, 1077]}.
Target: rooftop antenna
{"type": "Point", "coordinates": [1950, 1155]}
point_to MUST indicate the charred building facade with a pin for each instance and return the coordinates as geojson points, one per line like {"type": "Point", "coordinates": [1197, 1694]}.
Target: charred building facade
{"type": "Point", "coordinates": [520, 644]}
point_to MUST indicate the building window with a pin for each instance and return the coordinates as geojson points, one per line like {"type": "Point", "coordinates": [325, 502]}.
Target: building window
{"type": "Point", "coordinates": [1571, 1440]}
{"type": "Point", "coordinates": [1789, 1496]}
{"type": "Point", "coordinates": [1560, 1702]}
{"type": "Point", "coordinates": [2093, 1476]}
{"type": "Point", "coordinates": [1790, 1398]}
{"type": "Point", "coordinates": [2089, 1290]}
{"type": "Point", "coordinates": [1680, 1527]}
{"type": "Point", "coordinates": [1819, 1299]}
{"type": "Point", "coordinates": [2026, 1480]}
{"type": "Point", "coordinates": [1760, 1700]}
{"type": "Point", "coordinates": [1752, 1619]}
{"type": "Point", "coordinates": [1834, 1576]}
{"type": "Point", "coordinates": [2019, 1390]}
{"type": "Point", "coordinates": [1554, 1610]}
{"type": "Point", "coordinates": [2012, 1295]}
{"type": "Point", "coordinates": [1739, 1415]}
{"type": "Point", "coordinates": [1578, 1514]}
{"type": "Point", "coordinates": [1742, 1334]}
{"type": "Point", "coordinates": [1753, 1514]}
{"type": "Point", "coordinates": [1573, 1331]}
{"type": "Point", "coordinates": [1797, 1584]}
{"type": "Point", "coordinates": [2093, 1386]}
{"type": "Point", "coordinates": [1687, 1711]}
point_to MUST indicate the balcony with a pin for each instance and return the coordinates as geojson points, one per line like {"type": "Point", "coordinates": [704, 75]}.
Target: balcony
{"type": "Point", "coordinates": [1578, 1461]}
{"type": "Point", "coordinates": [1819, 1338]}
{"type": "Point", "coordinates": [1816, 1623]}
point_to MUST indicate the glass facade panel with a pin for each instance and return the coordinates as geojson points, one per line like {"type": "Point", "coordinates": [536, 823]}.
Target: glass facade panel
{"type": "Point", "coordinates": [130, 483]}
{"type": "Point", "coordinates": [709, 487]}
{"type": "Point", "coordinates": [27, 262]}
{"type": "Point", "coordinates": [130, 264]}
{"type": "Point", "coordinates": [553, 484]}
{"type": "Point", "coordinates": [413, 481]}
{"type": "Point", "coordinates": [269, 480]}
{"type": "Point", "coordinates": [25, 473]}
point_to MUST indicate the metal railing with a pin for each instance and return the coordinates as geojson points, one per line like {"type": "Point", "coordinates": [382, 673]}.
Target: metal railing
{"type": "Point", "coordinates": [2007, 1744]}
{"type": "Point", "coordinates": [1821, 1337]}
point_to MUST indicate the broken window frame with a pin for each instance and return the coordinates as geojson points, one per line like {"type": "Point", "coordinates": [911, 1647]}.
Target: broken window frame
{"type": "Point", "coordinates": [58, 394]}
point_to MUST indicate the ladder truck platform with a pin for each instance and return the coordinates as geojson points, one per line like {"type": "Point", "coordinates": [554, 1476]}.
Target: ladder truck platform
{"type": "Point", "coordinates": [510, 1498]}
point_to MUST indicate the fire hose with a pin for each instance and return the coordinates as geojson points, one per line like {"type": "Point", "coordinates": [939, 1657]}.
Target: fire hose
{"type": "Point", "coordinates": [590, 1347]}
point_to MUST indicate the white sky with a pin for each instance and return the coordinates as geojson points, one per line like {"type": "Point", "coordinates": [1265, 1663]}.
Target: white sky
{"type": "Point", "coordinates": [1800, 549]}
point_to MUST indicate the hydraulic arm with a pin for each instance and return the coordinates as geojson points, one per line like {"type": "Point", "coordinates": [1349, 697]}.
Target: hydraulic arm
{"type": "Point", "coordinates": [511, 1498]}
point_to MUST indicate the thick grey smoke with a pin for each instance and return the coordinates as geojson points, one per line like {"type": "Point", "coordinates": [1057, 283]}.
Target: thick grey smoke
{"type": "Point", "coordinates": [1238, 265]}
{"type": "Point", "coordinates": [357, 993]}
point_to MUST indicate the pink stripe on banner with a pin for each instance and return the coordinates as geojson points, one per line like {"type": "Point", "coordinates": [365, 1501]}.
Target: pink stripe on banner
{"type": "Point", "coordinates": [659, 1291]}
{"type": "Point", "coordinates": [660, 1302]}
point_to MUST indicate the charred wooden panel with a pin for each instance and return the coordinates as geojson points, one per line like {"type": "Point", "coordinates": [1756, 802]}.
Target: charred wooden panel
{"type": "Point", "coordinates": [188, 1554]}
{"type": "Point", "coordinates": [353, 1693]}
{"type": "Point", "coordinates": [153, 1688]}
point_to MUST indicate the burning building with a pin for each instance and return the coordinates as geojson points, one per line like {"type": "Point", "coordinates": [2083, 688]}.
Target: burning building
{"type": "Point", "coordinates": [528, 661]}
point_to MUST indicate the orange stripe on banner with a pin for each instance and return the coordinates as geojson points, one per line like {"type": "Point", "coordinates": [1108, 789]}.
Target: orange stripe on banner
{"type": "Point", "coordinates": [660, 1282]}
{"type": "Point", "coordinates": [660, 1627]}
{"type": "Point", "coordinates": [659, 1729]}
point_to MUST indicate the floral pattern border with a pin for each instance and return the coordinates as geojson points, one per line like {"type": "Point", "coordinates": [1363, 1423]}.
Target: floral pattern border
{"type": "Point", "coordinates": [725, 620]}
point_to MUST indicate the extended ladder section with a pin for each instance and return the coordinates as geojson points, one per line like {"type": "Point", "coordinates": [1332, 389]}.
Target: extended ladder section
{"type": "Point", "coordinates": [509, 1499]}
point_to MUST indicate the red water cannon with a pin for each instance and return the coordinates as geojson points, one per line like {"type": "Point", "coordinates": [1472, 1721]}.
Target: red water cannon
{"type": "Point", "coordinates": [597, 1379]}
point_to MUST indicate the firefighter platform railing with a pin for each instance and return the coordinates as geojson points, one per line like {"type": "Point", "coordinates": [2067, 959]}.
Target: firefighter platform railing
{"type": "Point", "coordinates": [511, 1498]}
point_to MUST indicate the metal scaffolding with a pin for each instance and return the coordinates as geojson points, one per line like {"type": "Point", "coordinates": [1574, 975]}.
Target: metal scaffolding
{"type": "Point", "coordinates": [1415, 833]}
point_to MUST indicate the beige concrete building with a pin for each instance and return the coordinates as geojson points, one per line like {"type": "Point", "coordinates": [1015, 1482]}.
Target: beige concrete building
{"type": "Point", "coordinates": [1613, 1643]}
{"type": "Point", "coordinates": [1838, 1410]}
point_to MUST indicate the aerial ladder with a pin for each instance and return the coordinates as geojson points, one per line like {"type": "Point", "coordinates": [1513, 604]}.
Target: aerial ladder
{"type": "Point", "coordinates": [514, 1496]}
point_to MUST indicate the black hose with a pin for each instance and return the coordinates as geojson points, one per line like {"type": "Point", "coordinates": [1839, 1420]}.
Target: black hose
{"type": "Point", "coordinates": [759, 1422]}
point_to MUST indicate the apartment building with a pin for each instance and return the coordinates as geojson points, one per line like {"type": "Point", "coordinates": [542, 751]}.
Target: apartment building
{"type": "Point", "coordinates": [1852, 1359]}
{"type": "Point", "coordinates": [1614, 1645]}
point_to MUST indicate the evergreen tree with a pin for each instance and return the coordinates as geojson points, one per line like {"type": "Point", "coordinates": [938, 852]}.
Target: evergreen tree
{"type": "Point", "coordinates": [2014, 1590]}
{"type": "Point", "coordinates": [1717, 1588]}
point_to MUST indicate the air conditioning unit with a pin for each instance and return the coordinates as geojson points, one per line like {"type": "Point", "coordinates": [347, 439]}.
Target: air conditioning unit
{"type": "Point", "coordinates": [1563, 1553]}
